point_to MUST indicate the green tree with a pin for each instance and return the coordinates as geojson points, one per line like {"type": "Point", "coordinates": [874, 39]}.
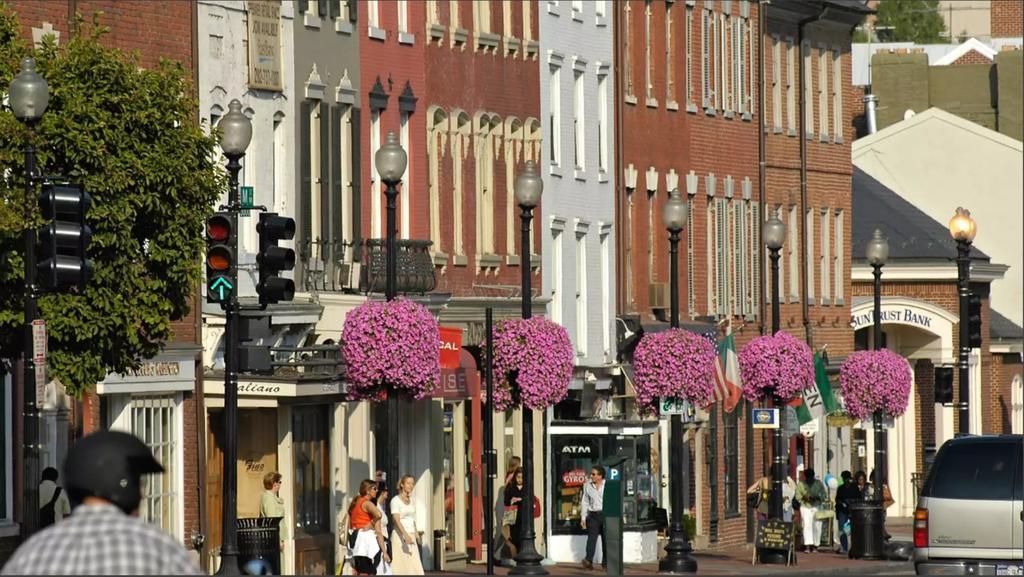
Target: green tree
{"type": "Point", "coordinates": [130, 135]}
{"type": "Point", "coordinates": [915, 21]}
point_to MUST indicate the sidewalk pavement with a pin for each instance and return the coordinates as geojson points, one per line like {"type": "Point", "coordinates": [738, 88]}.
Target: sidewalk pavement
{"type": "Point", "coordinates": [736, 561]}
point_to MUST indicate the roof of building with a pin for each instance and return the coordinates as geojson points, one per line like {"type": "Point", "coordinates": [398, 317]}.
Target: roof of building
{"type": "Point", "coordinates": [963, 48]}
{"type": "Point", "coordinates": [912, 234]}
{"type": "Point", "coordinates": [1003, 328]}
{"type": "Point", "coordinates": [862, 51]}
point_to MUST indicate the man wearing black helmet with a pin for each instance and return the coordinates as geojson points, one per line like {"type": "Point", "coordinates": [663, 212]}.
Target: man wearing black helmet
{"type": "Point", "coordinates": [104, 535]}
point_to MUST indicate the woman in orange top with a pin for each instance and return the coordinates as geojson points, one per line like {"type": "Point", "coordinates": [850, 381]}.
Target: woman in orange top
{"type": "Point", "coordinates": [366, 546]}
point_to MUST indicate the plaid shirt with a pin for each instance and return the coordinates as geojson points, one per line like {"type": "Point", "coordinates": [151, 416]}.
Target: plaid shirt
{"type": "Point", "coordinates": [101, 540]}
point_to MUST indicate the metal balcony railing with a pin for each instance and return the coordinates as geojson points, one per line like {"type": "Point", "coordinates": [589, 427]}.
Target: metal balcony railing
{"type": "Point", "coordinates": [416, 273]}
{"type": "Point", "coordinates": [328, 266]}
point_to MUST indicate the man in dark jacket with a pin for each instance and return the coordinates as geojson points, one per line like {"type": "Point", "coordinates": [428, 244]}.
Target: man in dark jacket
{"type": "Point", "coordinates": [847, 493]}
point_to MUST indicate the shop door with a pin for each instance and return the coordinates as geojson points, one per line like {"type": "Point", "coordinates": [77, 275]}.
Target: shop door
{"type": "Point", "coordinates": [257, 455]}
{"type": "Point", "coordinates": [314, 530]}
{"type": "Point", "coordinates": [463, 508]}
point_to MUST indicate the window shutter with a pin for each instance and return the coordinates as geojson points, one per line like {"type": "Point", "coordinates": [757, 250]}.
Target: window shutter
{"type": "Point", "coordinates": [721, 243]}
{"type": "Point", "coordinates": [336, 177]}
{"type": "Point", "coordinates": [301, 6]}
{"type": "Point", "coordinates": [335, 9]}
{"type": "Point", "coordinates": [755, 258]}
{"type": "Point", "coordinates": [711, 261]}
{"type": "Point", "coordinates": [690, 293]}
{"type": "Point", "coordinates": [305, 165]}
{"type": "Point", "coordinates": [325, 171]}
{"type": "Point", "coordinates": [356, 179]}
{"type": "Point", "coordinates": [353, 9]}
{"type": "Point", "coordinates": [321, 8]}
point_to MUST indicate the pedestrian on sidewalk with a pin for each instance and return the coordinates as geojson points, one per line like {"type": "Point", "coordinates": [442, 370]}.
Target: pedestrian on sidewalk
{"type": "Point", "coordinates": [759, 494]}
{"type": "Point", "coordinates": [53, 500]}
{"type": "Point", "coordinates": [847, 493]}
{"type": "Point", "coordinates": [367, 548]}
{"type": "Point", "coordinates": [810, 493]}
{"type": "Point", "coordinates": [272, 505]}
{"type": "Point", "coordinates": [405, 547]}
{"type": "Point", "coordinates": [592, 516]}
{"type": "Point", "coordinates": [501, 540]}
{"type": "Point", "coordinates": [512, 520]}
{"type": "Point", "coordinates": [104, 534]}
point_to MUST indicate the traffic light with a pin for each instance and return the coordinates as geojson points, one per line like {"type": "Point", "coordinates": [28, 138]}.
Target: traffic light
{"type": "Point", "coordinates": [273, 259]}
{"type": "Point", "coordinates": [64, 240]}
{"type": "Point", "coordinates": [974, 321]}
{"type": "Point", "coordinates": [943, 384]}
{"type": "Point", "coordinates": [221, 272]}
{"type": "Point", "coordinates": [253, 357]}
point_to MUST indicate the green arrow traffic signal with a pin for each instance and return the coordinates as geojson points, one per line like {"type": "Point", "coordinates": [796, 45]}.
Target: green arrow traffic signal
{"type": "Point", "coordinates": [220, 285]}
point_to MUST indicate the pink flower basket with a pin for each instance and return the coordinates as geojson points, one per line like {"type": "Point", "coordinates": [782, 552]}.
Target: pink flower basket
{"type": "Point", "coordinates": [674, 363]}
{"type": "Point", "coordinates": [392, 345]}
{"type": "Point", "coordinates": [875, 381]}
{"type": "Point", "coordinates": [533, 363]}
{"type": "Point", "coordinates": [778, 365]}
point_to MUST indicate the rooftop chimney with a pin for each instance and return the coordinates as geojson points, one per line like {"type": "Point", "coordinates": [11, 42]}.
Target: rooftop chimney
{"type": "Point", "coordinates": [870, 107]}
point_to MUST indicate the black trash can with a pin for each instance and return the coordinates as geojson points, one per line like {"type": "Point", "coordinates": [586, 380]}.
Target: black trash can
{"type": "Point", "coordinates": [260, 538]}
{"type": "Point", "coordinates": [440, 546]}
{"type": "Point", "coordinates": [867, 530]}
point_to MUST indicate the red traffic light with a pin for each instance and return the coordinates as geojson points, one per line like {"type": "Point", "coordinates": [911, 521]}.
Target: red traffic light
{"type": "Point", "coordinates": [218, 228]}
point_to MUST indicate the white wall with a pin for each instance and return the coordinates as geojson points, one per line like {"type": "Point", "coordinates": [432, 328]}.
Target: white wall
{"type": "Point", "coordinates": [223, 76]}
{"type": "Point", "coordinates": [937, 162]}
{"type": "Point", "coordinates": [584, 199]}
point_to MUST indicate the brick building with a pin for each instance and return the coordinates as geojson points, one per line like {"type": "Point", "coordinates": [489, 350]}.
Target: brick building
{"type": "Point", "coordinates": [920, 321]}
{"type": "Point", "coordinates": [173, 379]}
{"type": "Point", "coordinates": [689, 102]}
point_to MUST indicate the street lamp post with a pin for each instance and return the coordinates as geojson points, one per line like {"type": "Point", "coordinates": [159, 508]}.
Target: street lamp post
{"type": "Point", "coordinates": [235, 134]}
{"type": "Point", "coordinates": [29, 95]}
{"type": "Point", "coordinates": [678, 558]}
{"type": "Point", "coordinates": [391, 160]}
{"type": "Point", "coordinates": [963, 228]}
{"type": "Point", "coordinates": [877, 254]}
{"type": "Point", "coordinates": [528, 188]}
{"type": "Point", "coordinates": [775, 236]}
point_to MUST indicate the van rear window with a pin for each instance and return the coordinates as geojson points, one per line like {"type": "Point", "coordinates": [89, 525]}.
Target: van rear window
{"type": "Point", "coordinates": [981, 471]}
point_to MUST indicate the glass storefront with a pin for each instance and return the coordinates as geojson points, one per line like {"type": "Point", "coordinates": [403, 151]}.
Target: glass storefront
{"type": "Point", "coordinates": [574, 455]}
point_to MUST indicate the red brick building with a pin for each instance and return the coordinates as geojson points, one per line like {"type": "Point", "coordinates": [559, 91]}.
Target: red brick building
{"type": "Point", "coordinates": [689, 112]}
{"type": "Point", "coordinates": [1007, 18]}
{"type": "Point", "coordinates": [154, 30]}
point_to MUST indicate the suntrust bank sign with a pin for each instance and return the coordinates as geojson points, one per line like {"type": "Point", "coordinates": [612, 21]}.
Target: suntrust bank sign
{"type": "Point", "coordinates": [902, 315]}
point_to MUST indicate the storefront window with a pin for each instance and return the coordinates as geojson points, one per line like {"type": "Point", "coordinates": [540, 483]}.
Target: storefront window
{"type": "Point", "coordinates": [312, 469]}
{"type": "Point", "coordinates": [574, 455]}
{"type": "Point", "coordinates": [153, 421]}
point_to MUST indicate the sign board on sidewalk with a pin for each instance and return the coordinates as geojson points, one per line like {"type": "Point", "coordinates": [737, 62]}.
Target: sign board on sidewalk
{"type": "Point", "coordinates": [39, 341]}
{"type": "Point", "coordinates": [810, 428]}
{"type": "Point", "coordinates": [40, 371]}
{"type": "Point", "coordinates": [764, 418]}
{"type": "Point", "coordinates": [774, 534]}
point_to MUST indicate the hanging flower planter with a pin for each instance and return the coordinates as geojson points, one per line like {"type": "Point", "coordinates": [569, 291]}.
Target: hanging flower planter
{"type": "Point", "coordinates": [674, 363]}
{"type": "Point", "coordinates": [875, 381]}
{"type": "Point", "coordinates": [779, 365]}
{"type": "Point", "coordinates": [391, 345]}
{"type": "Point", "coordinates": [533, 363]}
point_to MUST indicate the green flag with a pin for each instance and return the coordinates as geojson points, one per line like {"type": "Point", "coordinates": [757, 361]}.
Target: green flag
{"type": "Point", "coordinates": [818, 400]}
{"type": "Point", "coordinates": [824, 385]}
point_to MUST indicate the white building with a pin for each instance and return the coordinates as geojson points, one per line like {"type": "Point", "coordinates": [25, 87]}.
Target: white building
{"type": "Point", "coordinates": [577, 219]}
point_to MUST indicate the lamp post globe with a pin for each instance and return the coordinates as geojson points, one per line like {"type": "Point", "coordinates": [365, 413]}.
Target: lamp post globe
{"type": "Point", "coordinates": [774, 233]}
{"type": "Point", "coordinates": [235, 130]}
{"type": "Point", "coordinates": [529, 186]}
{"type": "Point", "coordinates": [28, 93]}
{"type": "Point", "coordinates": [391, 159]}
{"type": "Point", "coordinates": [962, 226]}
{"type": "Point", "coordinates": [675, 213]}
{"type": "Point", "coordinates": [877, 251]}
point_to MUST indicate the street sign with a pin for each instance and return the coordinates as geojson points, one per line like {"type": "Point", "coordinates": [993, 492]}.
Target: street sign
{"type": "Point", "coordinates": [682, 407]}
{"type": "Point", "coordinates": [764, 418]}
{"type": "Point", "coordinates": [40, 371]}
{"type": "Point", "coordinates": [247, 193]}
{"type": "Point", "coordinates": [810, 428]}
{"type": "Point", "coordinates": [790, 422]}
{"type": "Point", "coordinates": [39, 341]}
{"type": "Point", "coordinates": [220, 288]}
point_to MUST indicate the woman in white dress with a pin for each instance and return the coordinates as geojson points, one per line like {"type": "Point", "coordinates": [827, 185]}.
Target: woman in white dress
{"type": "Point", "coordinates": [404, 545]}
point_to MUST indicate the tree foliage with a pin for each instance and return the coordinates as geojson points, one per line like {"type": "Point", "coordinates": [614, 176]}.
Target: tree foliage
{"type": "Point", "coordinates": [915, 21]}
{"type": "Point", "coordinates": [130, 136]}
